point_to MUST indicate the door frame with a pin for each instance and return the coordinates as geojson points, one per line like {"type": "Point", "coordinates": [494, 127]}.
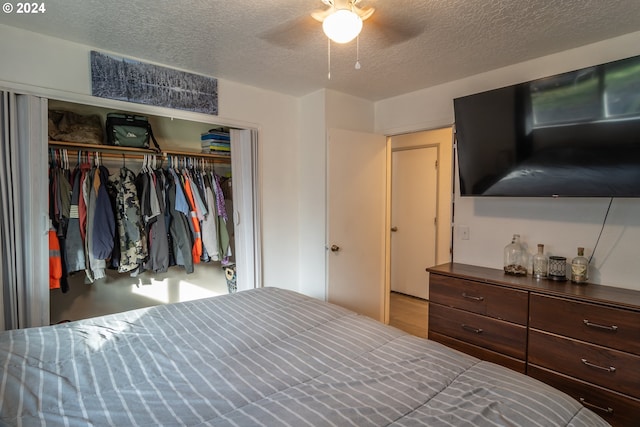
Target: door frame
{"type": "Point", "coordinates": [442, 137]}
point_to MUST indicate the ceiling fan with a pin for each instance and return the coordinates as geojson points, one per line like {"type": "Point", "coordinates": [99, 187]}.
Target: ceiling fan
{"type": "Point", "coordinates": [343, 20]}
{"type": "Point", "coordinates": [386, 27]}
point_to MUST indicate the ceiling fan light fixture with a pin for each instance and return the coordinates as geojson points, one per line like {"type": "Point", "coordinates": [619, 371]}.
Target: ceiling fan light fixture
{"type": "Point", "coordinates": [342, 26]}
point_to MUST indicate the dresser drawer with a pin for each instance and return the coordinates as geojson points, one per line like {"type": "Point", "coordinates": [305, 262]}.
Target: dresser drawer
{"type": "Point", "coordinates": [607, 326]}
{"type": "Point", "coordinates": [615, 408]}
{"type": "Point", "coordinates": [608, 368]}
{"type": "Point", "coordinates": [518, 365]}
{"type": "Point", "coordinates": [493, 334]}
{"type": "Point", "coordinates": [490, 300]}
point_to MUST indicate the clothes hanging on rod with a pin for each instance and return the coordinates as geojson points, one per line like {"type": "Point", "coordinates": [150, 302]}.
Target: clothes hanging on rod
{"type": "Point", "coordinates": [55, 260]}
{"type": "Point", "coordinates": [59, 217]}
{"type": "Point", "coordinates": [195, 222]}
{"type": "Point", "coordinates": [150, 184]}
{"type": "Point", "coordinates": [224, 244]}
{"type": "Point", "coordinates": [207, 212]}
{"type": "Point", "coordinates": [131, 248]}
{"type": "Point", "coordinates": [135, 223]}
{"type": "Point", "coordinates": [74, 238]}
{"type": "Point", "coordinates": [100, 229]}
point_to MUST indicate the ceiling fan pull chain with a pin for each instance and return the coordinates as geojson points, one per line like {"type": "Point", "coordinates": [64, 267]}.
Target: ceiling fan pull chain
{"type": "Point", "coordinates": [329, 57]}
{"type": "Point", "coordinates": [357, 52]}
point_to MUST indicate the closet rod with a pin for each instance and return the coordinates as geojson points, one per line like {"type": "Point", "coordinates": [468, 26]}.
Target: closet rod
{"type": "Point", "coordinates": [92, 148]}
{"type": "Point", "coordinates": [217, 158]}
{"type": "Point", "coordinates": [73, 152]}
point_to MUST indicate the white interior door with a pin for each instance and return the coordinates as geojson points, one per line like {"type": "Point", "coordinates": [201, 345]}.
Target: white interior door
{"type": "Point", "coordinates": [356, 216]}
{"type": "Point", "coordinates": [414, 190]}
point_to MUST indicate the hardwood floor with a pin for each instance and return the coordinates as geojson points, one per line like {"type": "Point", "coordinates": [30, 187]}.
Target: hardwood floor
{"type": "Point", "coordinates": [409, 313]}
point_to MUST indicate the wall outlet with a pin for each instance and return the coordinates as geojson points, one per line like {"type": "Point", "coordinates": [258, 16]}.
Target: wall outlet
{"type": "Point", "coordinates": [463, 232]}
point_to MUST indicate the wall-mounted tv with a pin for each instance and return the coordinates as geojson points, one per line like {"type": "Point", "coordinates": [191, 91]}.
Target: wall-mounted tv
{"type": "Point", "coordinates": [575, 134]}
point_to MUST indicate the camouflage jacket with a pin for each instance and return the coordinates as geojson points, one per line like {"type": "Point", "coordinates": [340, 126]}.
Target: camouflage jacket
{"type": "Point", "coordinates": [133, 240]}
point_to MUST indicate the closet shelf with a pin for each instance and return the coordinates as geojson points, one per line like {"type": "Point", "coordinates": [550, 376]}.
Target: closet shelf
{"type": "Point", "coordinates": [135, 151]}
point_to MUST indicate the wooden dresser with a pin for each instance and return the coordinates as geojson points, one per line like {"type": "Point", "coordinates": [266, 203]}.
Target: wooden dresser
{"type": "Point", "coordinates": [582, 339]}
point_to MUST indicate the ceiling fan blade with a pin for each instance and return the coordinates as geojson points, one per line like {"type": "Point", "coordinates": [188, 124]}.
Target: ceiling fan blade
{"type": "Point", "coordinates": [364, 14]}
{"type": "Point", "coordinates": [292, 34]}
{"type": "Point", "coordinates": [392, 31]}
{"type": "Point", "coordinates": [320, 15]}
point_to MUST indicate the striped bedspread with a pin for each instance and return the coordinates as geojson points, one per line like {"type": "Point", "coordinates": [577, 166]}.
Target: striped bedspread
{"type": "Point", "coordinates": [259, 357]}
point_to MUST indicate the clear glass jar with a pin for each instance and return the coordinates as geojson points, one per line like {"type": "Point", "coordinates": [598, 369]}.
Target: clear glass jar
{"type": "Point", "coordinates": [515, 258]}
{"type": "Point", "coordinates": [540, 263]}
{"type": "Point", "coordinates": [580, 268]}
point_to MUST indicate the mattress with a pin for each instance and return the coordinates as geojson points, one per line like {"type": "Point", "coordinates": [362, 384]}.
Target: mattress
{"type": "Point", "coordinates": [260, 357]}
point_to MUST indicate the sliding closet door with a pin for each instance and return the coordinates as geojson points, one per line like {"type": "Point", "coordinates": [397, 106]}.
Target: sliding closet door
{"type": "Point", "coordinates": [8, 175]}
{"type": "Point", "coordinates": [23, 212]}
{"type": "Point", "coordinates": [246, 212]}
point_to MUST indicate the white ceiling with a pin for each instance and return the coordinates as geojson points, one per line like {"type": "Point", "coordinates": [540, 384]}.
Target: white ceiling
{"type": "Point", "coordinates": [274, 44]}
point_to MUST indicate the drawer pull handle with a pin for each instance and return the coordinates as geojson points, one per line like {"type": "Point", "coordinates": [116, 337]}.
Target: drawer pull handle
{"type": "Point", "coordinates": [611, 328]}
{"type": "Point", "coordinates": [596, 407]}
{"type": "Point", "coordinates": [465, 295]}
{"type": "Point", "coordinates": [471, 329]}
{"type": "Point", "coordinates": [592, 365]}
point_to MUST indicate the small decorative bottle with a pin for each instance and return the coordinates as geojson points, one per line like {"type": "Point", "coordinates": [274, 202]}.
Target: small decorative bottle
{"type": "Point", "coordinates": [580, 268]}
{"type": "Point", "coordinates": [540, 263]}
{"type": "Point", "coordinates": [515, 261]}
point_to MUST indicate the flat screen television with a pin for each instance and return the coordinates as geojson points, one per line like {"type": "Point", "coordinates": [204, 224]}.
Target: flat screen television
{"type": "Point", "coordinates": [575, 134]}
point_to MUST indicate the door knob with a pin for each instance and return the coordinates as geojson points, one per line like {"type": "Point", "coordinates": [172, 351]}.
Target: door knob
{"type": "Point", "coordinates": [394, 228]}
{"type": "Point", "coordinates": [335, 248]}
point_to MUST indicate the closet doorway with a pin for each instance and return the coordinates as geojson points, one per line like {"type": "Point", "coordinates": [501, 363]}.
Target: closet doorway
{"type": "Point", "coordinates": [180, 142]}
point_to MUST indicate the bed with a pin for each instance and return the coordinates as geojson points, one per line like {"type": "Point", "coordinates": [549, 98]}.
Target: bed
{"type": "Point", "coordinates": [260, 357]}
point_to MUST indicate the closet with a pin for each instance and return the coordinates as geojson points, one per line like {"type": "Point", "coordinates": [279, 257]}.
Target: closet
{"type": "Point", "coordinates": [156, 267]}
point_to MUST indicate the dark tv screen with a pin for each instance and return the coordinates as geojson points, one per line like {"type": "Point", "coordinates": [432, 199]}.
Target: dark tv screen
{"type": "Point", "coordinates": [575, 134]}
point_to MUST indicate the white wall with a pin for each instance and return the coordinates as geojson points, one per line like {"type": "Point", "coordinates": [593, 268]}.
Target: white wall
{"type": "Point", "coordinates": [311, 209]}
{"type": "Point", "coordinates": [59, 69]}
{"type": "Point", "coordinates": [349, 112]}
{"type": "Point", "coordinates": [562, 224]}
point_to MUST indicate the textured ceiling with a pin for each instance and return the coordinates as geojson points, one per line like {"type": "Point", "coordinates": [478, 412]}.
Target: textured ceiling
{"type": "Point", "coordinates": [273, 44]}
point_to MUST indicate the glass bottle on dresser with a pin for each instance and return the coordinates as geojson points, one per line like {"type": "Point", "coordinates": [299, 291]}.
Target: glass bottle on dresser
{"type": "Point", "coordinates": [515, 258]}
{"type": "Point", "coordinates": [580, 268]}
{"type": "Point", "coordinates": [540, 263]}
